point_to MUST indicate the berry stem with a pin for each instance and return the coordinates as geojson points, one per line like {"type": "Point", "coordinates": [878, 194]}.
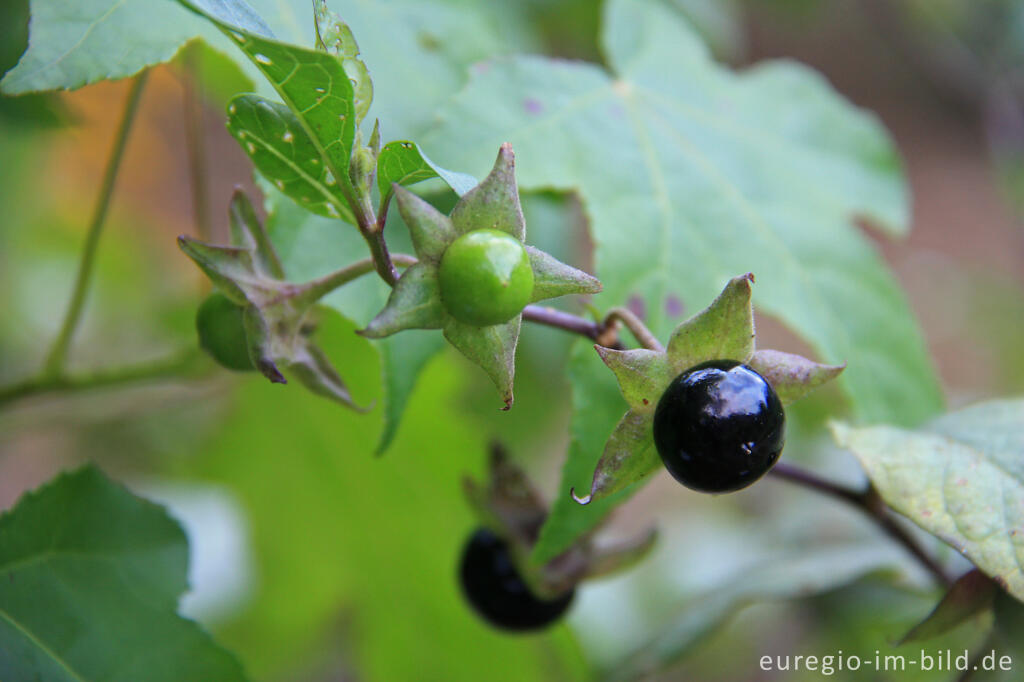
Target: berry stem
{"type": "Point", "coordinates": [870, 503]}
{"type": "Point", "coordinates": [54, 366]}
{"type": "Point", "coordinates": [318, 288]}
{"type": "Point", "coordinates": [639, 330]}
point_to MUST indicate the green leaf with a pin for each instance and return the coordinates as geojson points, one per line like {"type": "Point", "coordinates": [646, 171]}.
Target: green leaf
{"type": "Point", "coordinates": [284, 154]}
{"type": "Point", "coordinates": [693, 173]}
{"type": "Point", "coordinates": [313, 84]}
{"type": "Point", "coordinates": [960, 478]}
{"type": "Point", "coordinates": [970, 594]}
{"type": "Point", "coordinates": [315, 557]}
{"type": "Point", "coordinates": [333, 35]}
{"type": "Point", "coordinates": [493, 348]}
{"type": "Point", "coordinates": [404, 163]}
{"type": "Point", "coordinates": [72, 44]}
{"type": "Point", "coordinates": [91, 581]}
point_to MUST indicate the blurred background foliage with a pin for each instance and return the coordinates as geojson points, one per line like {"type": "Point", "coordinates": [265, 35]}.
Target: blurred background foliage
{"type": "Point", "coordinates": [312, 559]}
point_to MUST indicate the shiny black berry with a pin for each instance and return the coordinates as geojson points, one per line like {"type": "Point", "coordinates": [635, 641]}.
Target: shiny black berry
{"type": "Point", "coordinates": [493, 587]}
{"type": "Point", "coordinates": [719, 427]}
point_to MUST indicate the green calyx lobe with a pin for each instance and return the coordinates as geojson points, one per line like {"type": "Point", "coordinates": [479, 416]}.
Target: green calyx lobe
{"type": "Point", "coordinates": [485, 278]}
{"type": "Point", "coordinates": [222, 333]}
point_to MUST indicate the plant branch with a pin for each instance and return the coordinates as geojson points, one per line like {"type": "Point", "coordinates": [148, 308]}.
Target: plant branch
{"type": "Point", "coordinates": [321, 287]}
{"type": "Point", "coordinates": [54, 366]}
{"type": "Point", "coordinates": [639, 330]}
{"type": "Point", "coordinates": [870, 503]}
{"type": "Point", "coordinates": [195, 143]}
{"type": "Point", "coordinates": [171, 366]}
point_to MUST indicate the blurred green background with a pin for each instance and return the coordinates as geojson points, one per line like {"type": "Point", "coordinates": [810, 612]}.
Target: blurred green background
{"type": "Point", "coordinates": [313, 560]}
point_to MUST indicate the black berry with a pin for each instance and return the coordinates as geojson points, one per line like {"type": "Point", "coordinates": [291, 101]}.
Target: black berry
{"type": "Point", "coordinates": [496, 591]}
{"type": "Point", "coordinates": [719, 427]}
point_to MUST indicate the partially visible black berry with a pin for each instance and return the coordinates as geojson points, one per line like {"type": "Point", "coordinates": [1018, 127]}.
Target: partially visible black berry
{"type": "Point", "coordinates": [719, 427]}
{"type": "Point", "coordinates": [496, 591]}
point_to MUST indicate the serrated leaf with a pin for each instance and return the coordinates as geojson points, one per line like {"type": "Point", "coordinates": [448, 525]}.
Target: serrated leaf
{"type": "Point", "coordinates": [285, 155]}
{"type": "Point", "coordinates": [404, 163]}
{"type": "Point", "coordinates": [960, 478]}
{"type": "Point", "coordinates": [553, 278]}
{"type": "Point", "coordinates": [493, 348]}
{"type": "Point", "coordinates": [333, 35]}
{"type": "Point", "coordinates": [72, 44]}
{"type": "Point", "coordinates": [431, 230]}
{"type": "Point", "coordinates": [693, 173]}
{"type": "Point", "coordinates": [91, 581]}
{"type": "Point", "coordinates": [313, 84]}
{"type": "Point", "coordinates": [968, 596]}
{"type": "Point", "coordinates": [722, 331]}
{"type": "Point", "coordinates": [494, 203]}
{"type": "Point", "coordinates": [792, 376]}
{"type": "Point", "coordinates": [642, 375]}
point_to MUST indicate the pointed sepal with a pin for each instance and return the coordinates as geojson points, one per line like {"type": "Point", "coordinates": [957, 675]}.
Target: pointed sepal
{"type": "Point", "coordinates": [792, 376]}
{"type": "Point", "coordinates": [494, 203]}
{"type": "Point", "coordinates": [414, 303]}
{"type": "Point", "coordinates": [612, 559]}
{"type": "Point", "coordinates": [275, 313]}
{"type": "Point", "coordinates": [311, 367]}
{"type": "Point", "coordinates": [629, 456]}
{"type": "Point", "coordinates": [722, 331]}
{"type": "Point", "coordinates": [431, 230]}
{"type": "Point", "coordinates": [248, 232]}
{"type": "Point", "coordinates": [971, 594]}
{"type": "Point", "coordinates": [642, 374]}
{"type": "Point", "coordinates": [493, 348]}
{"type": "Point", "coordinates": [553, 278]}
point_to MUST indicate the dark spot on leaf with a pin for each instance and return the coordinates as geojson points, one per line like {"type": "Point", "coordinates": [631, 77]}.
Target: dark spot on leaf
{"type": "Point", "coordinates": [428, 41]}
{"type": "Point", "coordinates": [673, 306]}
{"type": "Point", "coordinates": [532, 106]}
{"type": "Point", "coordinates": [636, 305]}
{"type": "Point", "coordinates": [646, 401]}
{"type": "Point", "coordinates": [1001, 581]}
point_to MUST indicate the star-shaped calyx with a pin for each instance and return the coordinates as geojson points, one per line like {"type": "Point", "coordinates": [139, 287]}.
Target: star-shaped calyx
{"type": "Point", "coordinates": [508, 504]}
{"type": "Point", "coordinates": [279, 316]}
{"type": "Point", "coordinates": [723, 331]}
{"type": "Point", "coordinates": [474, 274]}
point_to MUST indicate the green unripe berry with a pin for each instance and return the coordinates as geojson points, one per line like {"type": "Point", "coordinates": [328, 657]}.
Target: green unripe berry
{"type": "Point", "coordinates": [485, 278]}
{"type": "Point", "coordinates": [222, 333]}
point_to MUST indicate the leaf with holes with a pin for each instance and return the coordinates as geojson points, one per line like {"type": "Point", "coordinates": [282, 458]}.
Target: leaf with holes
{"type": "Point", "coordinates": [91, 581]}
{"type": "Point", "coordinates": [960, 478]}
{"type": "Point", "coordinates": [312, 83]}
{"type": "Point", "coordinates": [285, 155]}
